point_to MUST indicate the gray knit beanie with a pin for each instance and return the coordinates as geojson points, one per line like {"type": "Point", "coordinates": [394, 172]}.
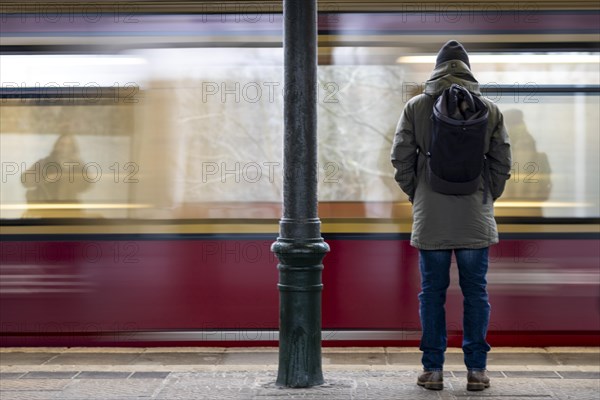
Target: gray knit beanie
{"type": "Point", "coordinates": [452, 50]}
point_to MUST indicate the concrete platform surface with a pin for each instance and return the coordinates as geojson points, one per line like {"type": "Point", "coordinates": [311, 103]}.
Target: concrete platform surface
{"type": "Point", "coordinates": [249, 373]}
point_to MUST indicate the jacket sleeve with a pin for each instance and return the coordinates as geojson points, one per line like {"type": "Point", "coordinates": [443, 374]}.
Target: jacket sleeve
{"type": "Point", "coordinates": [404, 153]}
{"type": "Point", "coordinates": [499, 158]}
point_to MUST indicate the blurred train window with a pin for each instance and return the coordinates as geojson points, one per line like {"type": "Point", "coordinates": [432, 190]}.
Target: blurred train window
{"type": "Point", "coordinates": [552, 111]}
{"type": "Point", "coordinates": [201, 138]}
{"type": "Point", "coordinates": [67, 136]}
{"type": "Point", "coordinates": [65, 161]}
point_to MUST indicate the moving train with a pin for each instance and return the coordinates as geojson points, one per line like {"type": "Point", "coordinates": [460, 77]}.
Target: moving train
{"type": "Point", "coordinates": [142, 172]}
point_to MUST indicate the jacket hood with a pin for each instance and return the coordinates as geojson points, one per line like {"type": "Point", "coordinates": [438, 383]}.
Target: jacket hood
{"type": "Point", "coordinates": [447, 73]}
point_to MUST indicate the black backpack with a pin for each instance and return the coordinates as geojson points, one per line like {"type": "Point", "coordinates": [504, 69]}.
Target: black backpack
{"type": "Point", "coordinates": [456, 159]}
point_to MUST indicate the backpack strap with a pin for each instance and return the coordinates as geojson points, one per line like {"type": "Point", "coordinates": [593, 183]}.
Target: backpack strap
{"type": "Point", "coordinates": [486, 178]}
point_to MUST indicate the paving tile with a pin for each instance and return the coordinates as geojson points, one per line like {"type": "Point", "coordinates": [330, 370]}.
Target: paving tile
{"type": "Point", "coordinates": [573, 389]}
{"type": "Point", "coordinates": [94, 359]}
{"type": "Point", "coordinates": [532, 389]}
{"type": "Point", "coordinates": [498, 358]}
{"type": "Point", "coordinates": [11, 375]}
{"type": "Point", "coordinates": [415, 358]}
{"type": "Point", "coordinates": [455, 359]}
{"type": "Point", "coordinates": [49, 385]}
{"type": "Point", "coordinates": [531, 374]}
{"type": "Point", "coordinates": [109, 389]}
{"type": "Point", "coordinates": [149, 375]}
{"type": "Point", "coordinates": [579, 375]}
{"type": "Point", "coordinates": [50, 375]}
{"type": "Point", "coordinates": [264, 358]}
{"type": "Point", "coordinates": [336, 388]}
{"type": "Point", "coordinates": [20, 358]}
{"type": "Point", "coordinates": [103, 375]}
{"type": "Point", "coordinates": [577, 358]}
{"type": "Point", "coordinates": [179, 359]}
{"type": "Point", "coordinates": [216, 385]}
{"type": "Point", "coordinates": [354, 358]}
{"type": "Point", "coordinates": [388, 389]}
{"type": "Point", "coordinates": [404, 358]}
{"type": "Point", "coordinates": [31, 395]}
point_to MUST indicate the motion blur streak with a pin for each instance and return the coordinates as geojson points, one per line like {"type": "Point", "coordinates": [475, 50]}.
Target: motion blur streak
{"type": "Point", "coordinates": [141, 171]}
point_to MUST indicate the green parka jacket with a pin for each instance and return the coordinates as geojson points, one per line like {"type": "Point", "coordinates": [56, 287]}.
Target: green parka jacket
{"type": "Point", "coordinates": [448, 221]}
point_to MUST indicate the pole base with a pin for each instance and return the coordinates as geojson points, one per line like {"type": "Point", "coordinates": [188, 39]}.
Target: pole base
{"type": "Point", "coordinates": [300, 286]}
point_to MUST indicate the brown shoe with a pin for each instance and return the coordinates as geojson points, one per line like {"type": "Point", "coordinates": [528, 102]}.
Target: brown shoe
{"type": "Point", "coordinates": [432, 380]}
{"type": "Point", "coordinates": [477, 380]}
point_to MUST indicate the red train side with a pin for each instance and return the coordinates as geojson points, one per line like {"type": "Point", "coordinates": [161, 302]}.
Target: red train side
{"type": "Point", "coordinates": [223, 289]}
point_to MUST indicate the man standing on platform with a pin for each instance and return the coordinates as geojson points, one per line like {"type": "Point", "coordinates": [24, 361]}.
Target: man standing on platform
{"type": "Point", "coordinates": [452, 158]}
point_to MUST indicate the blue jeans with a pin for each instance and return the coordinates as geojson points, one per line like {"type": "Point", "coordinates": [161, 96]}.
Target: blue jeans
{"type": "Point", "coordinates": [435, 279]}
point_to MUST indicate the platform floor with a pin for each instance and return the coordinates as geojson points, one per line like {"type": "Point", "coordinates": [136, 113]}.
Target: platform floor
{"type": "Point", "coordinates": [249, 373]}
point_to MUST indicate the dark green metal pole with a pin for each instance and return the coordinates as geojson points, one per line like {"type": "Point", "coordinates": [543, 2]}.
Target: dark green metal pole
{"type": "Point", "coordinates": [300, 247]}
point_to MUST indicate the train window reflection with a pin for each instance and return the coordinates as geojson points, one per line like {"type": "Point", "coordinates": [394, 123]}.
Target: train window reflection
{"type": "Point", "coordinates": [65, 161]}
